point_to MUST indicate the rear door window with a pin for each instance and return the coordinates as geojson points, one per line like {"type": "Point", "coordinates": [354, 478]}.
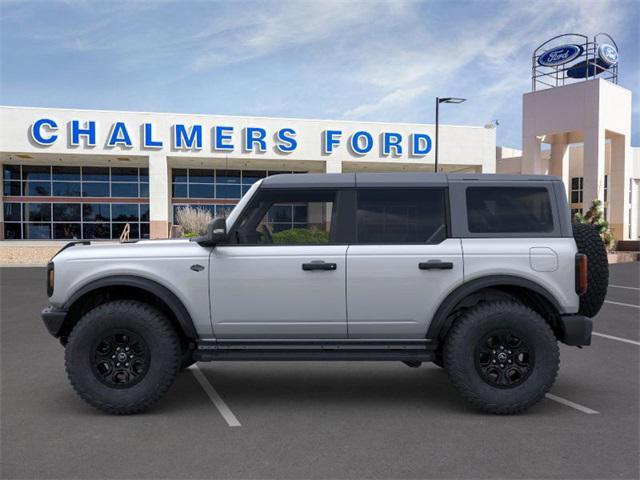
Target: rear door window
{"type": "Point", "coordinates": [509, 210]}
{"type": "Point", "coordinates": [396, 216]}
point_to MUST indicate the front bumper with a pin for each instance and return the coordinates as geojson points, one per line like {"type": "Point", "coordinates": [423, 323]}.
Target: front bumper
{"type": "Point", "coordinates": [575, 330]}
{"type": "Point", "coordinates": [53, 319]}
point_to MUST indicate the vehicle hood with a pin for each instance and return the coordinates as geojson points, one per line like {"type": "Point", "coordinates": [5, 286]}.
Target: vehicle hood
{"type": "Point", "coordinates": [141, 249]}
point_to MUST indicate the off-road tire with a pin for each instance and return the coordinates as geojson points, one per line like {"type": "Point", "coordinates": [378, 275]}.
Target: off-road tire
{"type": "Point", "coordinates": [162, 344]}
{"type": "Point", "coordinates": [589, 242]}
{"type": "Point", "coordinates": [468, 332]}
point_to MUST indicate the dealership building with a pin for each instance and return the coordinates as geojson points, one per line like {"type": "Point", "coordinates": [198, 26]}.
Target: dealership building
{"type": "Point", "coordinates": [86, 174]}
{"type": "Point", "coordinates": [90, 174]}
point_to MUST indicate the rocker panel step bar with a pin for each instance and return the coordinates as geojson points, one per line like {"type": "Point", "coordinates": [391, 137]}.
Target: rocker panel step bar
{"type": "Point", "coordinates": [309, 350]}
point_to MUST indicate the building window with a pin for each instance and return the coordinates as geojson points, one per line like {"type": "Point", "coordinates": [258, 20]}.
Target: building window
{"type": "Point", "coordinates": [576, 189]}
{"type": "Point", "coordinates": [606, 187]}
{"type": "Point", "coordinates": [63, 212]}
{"type": "Point", "coordinates": [196, 187]}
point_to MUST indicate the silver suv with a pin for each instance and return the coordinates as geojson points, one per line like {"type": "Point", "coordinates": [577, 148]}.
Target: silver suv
{"type": "Point", "coordinates": [480, 274]}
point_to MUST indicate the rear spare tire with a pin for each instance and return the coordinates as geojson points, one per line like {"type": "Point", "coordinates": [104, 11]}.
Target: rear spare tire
{"type": "Point", "coordinates": [589, 243]}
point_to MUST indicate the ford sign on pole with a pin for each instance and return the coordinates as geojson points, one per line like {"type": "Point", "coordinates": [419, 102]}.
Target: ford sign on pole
{"type": "Point", "coordinates": [608, 54]}
{"type": "Point", "coordinates": [560, 55]}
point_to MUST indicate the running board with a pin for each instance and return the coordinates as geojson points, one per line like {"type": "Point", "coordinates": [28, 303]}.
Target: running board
{"type": "Point", "coordinates": [292, 350]}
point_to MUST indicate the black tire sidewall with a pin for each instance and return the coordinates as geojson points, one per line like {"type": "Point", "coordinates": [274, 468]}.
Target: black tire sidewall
{"type": "Point", "coordinates": [460, 356]}
{"type": "Point", "coordinates": [589, 243]}
{"type": "Point", "coordinates": [143, 320]}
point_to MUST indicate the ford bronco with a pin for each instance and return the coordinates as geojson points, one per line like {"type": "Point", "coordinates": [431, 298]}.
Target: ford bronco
{"type": "Point", "coordinates": [482, 275]}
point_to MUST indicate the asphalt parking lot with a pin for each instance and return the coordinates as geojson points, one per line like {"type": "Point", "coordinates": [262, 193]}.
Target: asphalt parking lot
{"type": "Point", "coordinates": [320, 420]}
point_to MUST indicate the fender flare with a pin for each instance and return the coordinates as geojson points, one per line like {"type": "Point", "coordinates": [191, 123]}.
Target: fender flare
{"type": "Point", "coordinates": [163, 293]}
{"type": "Point", "coordinates": [439, 321]}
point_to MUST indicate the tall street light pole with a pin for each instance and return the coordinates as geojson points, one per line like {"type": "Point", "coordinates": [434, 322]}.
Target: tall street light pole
{"type": "Point", "coordinates": [438, 102]}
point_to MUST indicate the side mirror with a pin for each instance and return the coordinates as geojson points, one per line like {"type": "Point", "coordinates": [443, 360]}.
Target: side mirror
{"type": "Point", "coordinates": [216, 233]}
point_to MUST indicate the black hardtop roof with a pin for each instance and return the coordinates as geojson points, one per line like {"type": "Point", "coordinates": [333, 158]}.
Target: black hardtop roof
{"type": "Point", "coordinates": [393, 179]}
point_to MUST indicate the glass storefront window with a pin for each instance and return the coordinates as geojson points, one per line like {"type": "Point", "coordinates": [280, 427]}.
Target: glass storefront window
{"type": "Point", "coordinates": [124, 212]}
{"type": "Point", "coordinates": [36, 172]}
{"type": "Point", "coordinates": [95, 189]}
{"type": "Point", "coordinates": [96, 212]}
{"type": "Point", "coordinates": [95, 174]}
{"type": "Point", "coordinates": [66, 189]}
{"type": "Point", "coordinates": [66, 212]}
{"type": "Point", "coordinates": [124, 190]}
{"type": "Point", "coordinates": [37, 189]}
{"type": "Point", "coordinates": [66, 173]}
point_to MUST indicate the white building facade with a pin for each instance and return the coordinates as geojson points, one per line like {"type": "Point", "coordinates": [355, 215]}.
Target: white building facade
{"type": "Point", "coordinates": [86, 174]}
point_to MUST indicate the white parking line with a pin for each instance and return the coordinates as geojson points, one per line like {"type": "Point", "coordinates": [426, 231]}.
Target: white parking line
{"type": "Point", "coordinates": [622, 304]}
{"type": "Point", "coordinates": [619, 339]}
{"type": "Point", "coordinates": [571, 404]}
{"type": "Point", "coordinates": [622, 286]}
{"type": "Point", "coordinates": [222, 407]}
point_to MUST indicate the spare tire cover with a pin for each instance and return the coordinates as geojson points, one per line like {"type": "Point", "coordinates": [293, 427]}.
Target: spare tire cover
{"type": "Point", "coordinates": [589, 242]}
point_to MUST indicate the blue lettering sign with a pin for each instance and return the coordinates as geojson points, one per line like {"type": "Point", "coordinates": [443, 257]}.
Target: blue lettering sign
{"type": "Point", "coordinates": [37, 134]}
{"type": "Point", "coordinates": [331, 138]}
{"type": "Point", "coordinates": [391, 140]}
{"type": "Point", "coordinates": [358, 147]}
{"type": "Point", "coordinates": [147, 138]}
{"type": "Point", "coordinates": [119, 136]}
{"type": "Point", "coordinates": [286, 140]}
{"type": "Point", "coordinates": [186, 139]}
{"type": "Point", "coordinates": [89, 131]}
{"type": "Point", "coordinates": [222, 137]}
{"type": "Point", "coordinates": [420, 144]}
{"type": "Point", "coordinates": [255, 136]}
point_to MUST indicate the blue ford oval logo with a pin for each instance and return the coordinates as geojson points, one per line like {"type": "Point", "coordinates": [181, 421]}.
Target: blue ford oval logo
{"type": "Point", "coordinates": [608, 54]}
{"type": "Point", "coordinates": [560, 55]}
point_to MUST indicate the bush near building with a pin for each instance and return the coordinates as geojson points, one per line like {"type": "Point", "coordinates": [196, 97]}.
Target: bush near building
{"type": "Point", "coordinates": [595, 217]}
{"type": "Point", "coordinates": [194, 221]}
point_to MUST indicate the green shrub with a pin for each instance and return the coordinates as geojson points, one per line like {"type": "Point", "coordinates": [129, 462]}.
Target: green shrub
{"type": "Point", "coordinates": [300, 235]}
{"type": "Point", "coordinates": [595, 217]}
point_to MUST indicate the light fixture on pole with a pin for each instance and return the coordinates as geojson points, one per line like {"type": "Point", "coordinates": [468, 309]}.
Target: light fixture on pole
{"type": "Point", "coordinates": [438, 102]}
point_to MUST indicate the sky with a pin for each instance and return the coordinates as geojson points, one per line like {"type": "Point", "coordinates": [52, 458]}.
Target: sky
{"type": "Point", "coordinates": [352, 60]}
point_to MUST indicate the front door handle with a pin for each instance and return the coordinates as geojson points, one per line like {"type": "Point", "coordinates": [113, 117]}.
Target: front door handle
{"type": "Point", "coordinates": [318, 265]}
{"type": "Point", "coordinates": [435, 265]}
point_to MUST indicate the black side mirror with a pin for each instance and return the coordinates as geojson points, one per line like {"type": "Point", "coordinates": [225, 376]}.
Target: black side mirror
{"type": "Point", "coordinates": [216, 233]}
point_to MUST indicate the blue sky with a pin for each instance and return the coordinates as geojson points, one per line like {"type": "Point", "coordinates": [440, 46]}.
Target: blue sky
{"type": "Point", "coordinates": [369, 60]}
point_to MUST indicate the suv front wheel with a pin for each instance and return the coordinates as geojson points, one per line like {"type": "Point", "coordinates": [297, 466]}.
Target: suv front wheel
{"type": "Point", "coordinates": [502, 356]}
{"type": "Point", "coordinates": [122, 356]}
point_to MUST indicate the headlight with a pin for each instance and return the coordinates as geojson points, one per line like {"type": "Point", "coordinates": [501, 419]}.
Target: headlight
{"type": "Point", "coordinates": [50, 278]}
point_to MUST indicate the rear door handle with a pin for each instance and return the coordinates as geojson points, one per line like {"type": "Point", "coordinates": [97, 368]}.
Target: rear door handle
{"type": "Point", "coordinates": [435, 265]}
{"type": "Point", "coordinates": [319, 265]}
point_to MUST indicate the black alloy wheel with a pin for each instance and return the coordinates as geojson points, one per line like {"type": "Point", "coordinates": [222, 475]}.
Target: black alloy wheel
{"type": "Point", "coordinates": [504, 359]}
{"type": "Point", "coordinates": [120, 359]}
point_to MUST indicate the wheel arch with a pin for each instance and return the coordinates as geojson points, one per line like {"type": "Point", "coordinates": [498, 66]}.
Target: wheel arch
{"type": "Point", "coordinates": [527, 291]}
{"type": "Point", "coordinates": [130, 287]}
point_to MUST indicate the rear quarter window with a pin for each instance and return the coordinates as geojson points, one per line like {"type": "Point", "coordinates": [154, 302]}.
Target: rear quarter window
{"type": "Point", "coordinates": [509, 210]}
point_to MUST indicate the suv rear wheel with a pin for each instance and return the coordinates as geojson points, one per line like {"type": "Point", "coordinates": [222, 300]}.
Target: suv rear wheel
{"type": "Point", "coordinates": [502, 356]}
{"type": "Point", "coordinates": [122, 356]}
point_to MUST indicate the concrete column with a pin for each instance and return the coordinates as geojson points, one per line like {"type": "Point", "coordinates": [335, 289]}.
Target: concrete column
{"type": "Point", "coordinates": [159, 195]}
{"type": "Point", "coordinates": [593, 166]}
{"type": "Point", "coordinates": [531, 155]}
{"type": "Point", "coordinates": [619, 186]}
{"type": "Point", "coordinates": [559, 162]}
